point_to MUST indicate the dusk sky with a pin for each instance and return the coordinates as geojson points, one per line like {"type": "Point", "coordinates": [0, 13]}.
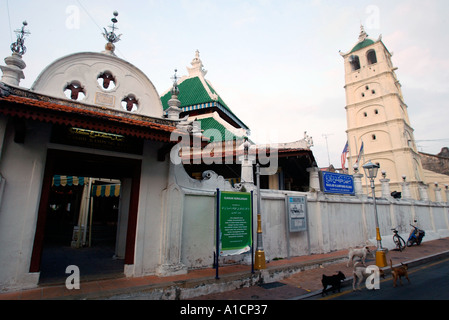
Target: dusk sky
{"type": "Point", "coordinates": [275, 63]}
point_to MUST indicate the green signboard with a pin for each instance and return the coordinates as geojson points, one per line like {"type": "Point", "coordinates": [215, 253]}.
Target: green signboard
{"type": "Point", "coordinates": [235, 222]}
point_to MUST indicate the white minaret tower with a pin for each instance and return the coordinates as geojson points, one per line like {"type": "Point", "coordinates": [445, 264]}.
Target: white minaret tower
{"type": "Point", "coordinates": [377, 116]}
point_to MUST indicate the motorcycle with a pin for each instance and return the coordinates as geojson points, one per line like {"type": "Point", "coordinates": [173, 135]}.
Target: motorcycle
{"type": "Point", "coordinates": [416, 236]}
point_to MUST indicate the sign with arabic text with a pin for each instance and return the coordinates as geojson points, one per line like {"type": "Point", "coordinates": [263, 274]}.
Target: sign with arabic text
{"type": "Point", "coordinates": [82, 137]}
{"type": "Point", "coordinates": [332, 182]}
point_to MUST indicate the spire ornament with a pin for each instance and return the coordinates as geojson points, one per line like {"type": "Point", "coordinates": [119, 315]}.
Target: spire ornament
{"type": "Point", "coordinates": [111, 36]}
{"type": "Point", "coordinates": [175, 89]}
{"type": "Point", "coordinates": [197, 66]}
{"type": "Point", "coordinates": [19, 46]}
{"type": "Point", "coordinates": [363, 35]}
{"type": "Point", "coordinates": [174, 104]}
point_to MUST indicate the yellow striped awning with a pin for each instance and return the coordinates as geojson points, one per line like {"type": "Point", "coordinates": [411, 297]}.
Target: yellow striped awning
{"type": "Point", "coordinates": [106, 190]}
{"type": "Point", "coordinates": [59, 180]}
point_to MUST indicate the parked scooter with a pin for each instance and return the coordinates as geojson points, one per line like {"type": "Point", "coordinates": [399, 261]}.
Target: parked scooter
{"type": "Point", "coordinates": [416, 236]}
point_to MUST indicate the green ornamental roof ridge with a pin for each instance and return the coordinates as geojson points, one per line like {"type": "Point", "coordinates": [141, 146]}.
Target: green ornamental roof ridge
{"type": "Point", "coordinates": [219, 99]}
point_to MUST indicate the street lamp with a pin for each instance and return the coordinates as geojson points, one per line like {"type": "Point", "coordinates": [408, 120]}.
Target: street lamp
{"type": "Point", "coordinates": [371, 173]}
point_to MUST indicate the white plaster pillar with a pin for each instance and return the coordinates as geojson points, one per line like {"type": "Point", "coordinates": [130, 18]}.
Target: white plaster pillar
{"type": "Point", "coordinates": [314, 179]}
{"type": "Point", "coordinates": [438, 197]}
{"type": "Point", "coordinates": [406, 189]}
{"type": "Point", "coordinates": [358, 184]}
{"type": "Point", "coordinates": [385, 185]}
{"type": "Point", "coordinates": [172, 233]}
{"type": "Point", "coordinates": [423, 192]}
{"type": "Point", "coordinates": [12, 72]}
{"type": "Point", "coordinates": [247, 173]}
{"type": "Point", "coordinates": [171, 228]}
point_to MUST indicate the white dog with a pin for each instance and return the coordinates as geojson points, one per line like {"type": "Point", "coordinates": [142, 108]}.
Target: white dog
{"type": "Point", "coordinates": [359, 273]}
{"type": "Point", "coordinates": [362, 272]}
{"type": "Point", "coordinates": [357, 252]}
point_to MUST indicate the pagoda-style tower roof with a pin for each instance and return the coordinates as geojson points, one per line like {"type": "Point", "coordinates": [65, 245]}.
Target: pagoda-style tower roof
{"type": "Point", "coordinates": [198, 96]}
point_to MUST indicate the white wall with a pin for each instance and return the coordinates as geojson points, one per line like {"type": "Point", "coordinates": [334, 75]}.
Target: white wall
{"type": "Point", "coordinates": [22, 166]}
{"type": "Point", "coordinates": [334, 223]}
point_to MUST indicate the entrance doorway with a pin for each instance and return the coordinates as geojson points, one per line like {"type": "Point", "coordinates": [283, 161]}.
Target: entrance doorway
{"type": "Point", "coordinates": [84, 219]}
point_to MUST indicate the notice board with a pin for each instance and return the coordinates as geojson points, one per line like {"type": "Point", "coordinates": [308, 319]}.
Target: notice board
{"type": "Point", "coordinates": [235, 211]}
{"type": "Point", "coordinates": [297, 213]}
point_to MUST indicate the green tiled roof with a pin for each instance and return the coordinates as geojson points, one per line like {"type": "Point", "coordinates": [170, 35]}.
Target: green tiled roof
{"type": "Point", "coordinates": [365, 43]}
{"type": "Point", "coordinates": [192, 92]}
{"type": "Point", "coordinates": [224, 134]}
{"type": "Point", "coordinates": [193, 95]}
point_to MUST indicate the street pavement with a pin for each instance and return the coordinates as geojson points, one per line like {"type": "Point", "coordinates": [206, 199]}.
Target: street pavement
{"type": "Point", "coordinates": [307, 283]}
{"type": "Point", "coordinates": [286, 279]}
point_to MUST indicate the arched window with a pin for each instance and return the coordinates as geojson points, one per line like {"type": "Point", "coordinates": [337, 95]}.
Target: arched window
{"type": "Point", "coordinates": [106, 80]}
{"type": "Point", "coordinates": [130, 103]}
{"type": "Point", "coordinates": [371, 57]}
{"type": "Point", "coordinates": [74, 90]}
{"type": "Point", "coordinates": [355, 62]}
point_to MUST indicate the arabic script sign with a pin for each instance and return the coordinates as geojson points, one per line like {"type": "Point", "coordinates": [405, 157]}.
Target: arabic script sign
{"type": "Point", "coordinates": [95, 139]}
{"type": "Point", "coordinates": [332, 182]}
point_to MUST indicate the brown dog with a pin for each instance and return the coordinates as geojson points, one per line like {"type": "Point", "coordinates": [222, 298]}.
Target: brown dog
{"type": "Point", "coordinates": [399, 272]}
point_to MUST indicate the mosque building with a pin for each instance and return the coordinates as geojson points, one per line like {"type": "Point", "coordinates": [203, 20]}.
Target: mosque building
{"type": "Point", "coordinates": [99, 170]}
{"type": "Point", "coordinates": [87, 169]}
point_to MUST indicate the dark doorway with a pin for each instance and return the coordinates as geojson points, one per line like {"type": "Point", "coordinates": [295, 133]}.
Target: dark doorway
{"type": "Point", "coordinates": [77, 222]}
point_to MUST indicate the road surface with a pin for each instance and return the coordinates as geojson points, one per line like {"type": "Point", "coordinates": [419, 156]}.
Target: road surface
{"type": "Point", "coordinates": [428, 282]}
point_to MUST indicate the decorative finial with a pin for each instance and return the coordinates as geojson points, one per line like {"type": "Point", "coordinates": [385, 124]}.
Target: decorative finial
{"type": "Point", "coordinates": [363, 35]}
{"type": "Point", "coordinates": [197, 66]}
{"type": "Point", "coordinates": [175, 89]}
{"type": "Point", "coordinates": [174, 104]}
{"type": "Point", "coordinates": [111, 37]}
{"type": "Point", "coordinates": [19, 46]}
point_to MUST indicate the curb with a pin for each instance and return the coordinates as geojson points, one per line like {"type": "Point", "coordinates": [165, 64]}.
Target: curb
{"type": "Point", "coordinates": [191, 288]}
{"type": "Point", "coordinates": [196, 287]}
{"type": "Point", "coordinates": [411, 264]}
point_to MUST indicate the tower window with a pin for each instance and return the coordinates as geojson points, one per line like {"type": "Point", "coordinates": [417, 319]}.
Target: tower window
{"type": "Point", "coordinates": [355, 62]}
{"type": "Point", "coordinates": [371, 57]}
{"type": "Point", "coordinates": [376, 111]}
{"type": "Point", "coordinates": [374, 137]}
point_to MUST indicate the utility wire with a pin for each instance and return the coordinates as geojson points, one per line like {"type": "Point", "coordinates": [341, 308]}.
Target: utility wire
{"type": "Point", "coordinates": [93, 20]}
{"type": "Point", "coordinates": [9, 20]}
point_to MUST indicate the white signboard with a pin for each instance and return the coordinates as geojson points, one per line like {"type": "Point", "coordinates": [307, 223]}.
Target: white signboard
{"type": "Point", "coordinates": [297, 213]}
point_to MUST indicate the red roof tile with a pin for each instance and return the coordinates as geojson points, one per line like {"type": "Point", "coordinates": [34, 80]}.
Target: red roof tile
{"type": "Point", "coordinates": [86, 116]}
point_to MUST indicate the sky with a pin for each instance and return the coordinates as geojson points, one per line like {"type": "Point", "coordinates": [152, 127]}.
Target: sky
{"type": "Point", "coordinates": [275, 63]}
